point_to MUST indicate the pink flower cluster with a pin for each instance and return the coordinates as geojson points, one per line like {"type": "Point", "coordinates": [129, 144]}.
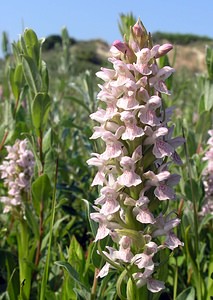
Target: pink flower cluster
{"type": "Point", "coordinates": [133, 170]}
{"type": "Point", "coordinates": [16, 170]}
{"type": "Point", "coordinates": [207, 208]}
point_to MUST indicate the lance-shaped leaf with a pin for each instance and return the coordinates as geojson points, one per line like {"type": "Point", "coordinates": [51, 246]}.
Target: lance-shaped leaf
{"type": "Point", "coordinates": [44, 77]}
{"type": "Point", "coordinates": [16, 80]}
{"type": "Point", "coordinates": [32, 45]}
{"type": "Point", "coordinates": [31, 73]}
{"type": "Point", "coordinates": [187, 294]}
{"type": "Point", "coordinates": [40, 110]}
{"type": "Point", "coordinates": [209, 61]}
{"type": "Point", "coordinates": [208, 95]}
{"type": "Point", "coordinates": [41, 189]}
{"type": "Point", "coordinates": [73, 274]}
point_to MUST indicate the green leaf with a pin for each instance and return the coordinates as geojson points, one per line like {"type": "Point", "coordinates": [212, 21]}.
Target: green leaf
{"type": "Point", "coordinates": [41, 189]}
{"type": "Point", "coordinates": [187, 294]}
{"type": "Point", "coordinates": [76, 256]}
{"type": "Point", "coordinates": [202, 126]}
{"type": "Point", "coordinates": [191, 254]}
{"type": "Point", "coordinates": [131, 289]}
{"type": "Point", "coordinates": [78, 101]}
{"type": "Point", "coordinates": [16, 49]}
{"type": "Point", "coordinates": [209, 61]}
{"type": "Point", "coordinates": [72, 272]}
{"type": "Point", "coordinates": [82, 293]}
{"type": "Point", "coordinates": [32, 220]}
{"type": "Point", "coordinates": [8, 265]}
{"type": "Point", "coordinates": [201, 106]}
{"type": "Point", "coordinates": [14, 87]}
{"type": "Point", "coordinates": [49, 166]}
{"type": "Point", "coordinates": [204, 221]}
{"type": "Point", "coordinates": [93, 224]}
{"type": "Point", "coordinates": [193, 188]}
{"type": "Point", "coordinates": [47, 140]}
{"type": "Point", "coordinates": [31, 73]}
{"type": "Point", "coordinates": [208, 95]}
{"type": "Point", "coordinates": [32, 45]}
{"type": "Point", "coordinates": [40, 110]}
{"type": "Point", "coordinates": [45, 77]}
{"type": "Point", "coordinates": [16, 80]}
{"type": "Point", "coordinates": [191, 142]}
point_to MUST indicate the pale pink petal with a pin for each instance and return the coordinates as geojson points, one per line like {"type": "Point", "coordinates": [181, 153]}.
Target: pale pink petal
{"type": "Point", "coordinates": [98, 179]}
{"type": "Point", "coordinates": [129, 178]}
{"type": "Point", "coordinates": [143, 260]}
{"type": "Point", "coordinates": [164, 192]}
{"type": "Point", "coordinates": [162, 149]}
{"type": "Point", "coordinates": [110, 207]}
{"type": "Point", "coordinates": [106, 74]}
{"type": "Point", "coordinates": [104, 270]}
{"type": "Point", "coordinates": [144, 216]}
{"type": "Point", "coordinates": [154, 285]}
{"type": "Point", "coordinates": [172, 241]}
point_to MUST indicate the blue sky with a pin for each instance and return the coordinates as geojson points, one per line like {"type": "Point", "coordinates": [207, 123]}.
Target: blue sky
{"type": "Point", "coordinates": [90, 19]}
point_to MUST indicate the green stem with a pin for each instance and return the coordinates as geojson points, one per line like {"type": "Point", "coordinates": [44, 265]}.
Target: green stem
{"type": "Point", "coordinates": [94, 286]}
{"type": "Point", "coordinates": [25, 260]}
{"type": "Point", "coordinates": [41, 216]}
{"type": "Point", "coordinates": [143, 293]}
{"type": "Point", "coordinates": [199, 283]}
{"type": "Point", "coordinates": [175, 282]}
{"type": "Point", "coordinates": [38, 251]}
{"type": "Point", "coordinates": [46, 270]}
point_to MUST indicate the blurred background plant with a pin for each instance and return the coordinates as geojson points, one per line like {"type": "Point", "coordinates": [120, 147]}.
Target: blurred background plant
{"type": "Point", "coordinates": [48, 90]}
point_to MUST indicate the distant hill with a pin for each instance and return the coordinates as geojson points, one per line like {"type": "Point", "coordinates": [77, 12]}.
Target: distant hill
{"type": "Point", "coordinates": [188, 53]}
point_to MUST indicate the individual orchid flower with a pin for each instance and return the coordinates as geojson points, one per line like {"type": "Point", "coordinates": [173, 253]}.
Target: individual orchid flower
{"type": "Point", "coordinates": [129, 177]}
{"type": "Point", "coordinates": [161, 147]}
{"type": "Point", "coordinates": [147, 112]}
{"type": "Point", "coordinates": [163, 182]}
{"type": "Point", "coordinates": [114, 148]}
{"type": "Point", "coordinates": [131, 130]}
{"type": "Point", "coordinates": [157, 81]}
{"type": "Point", "coordinates": [128, 100]}
{"type": "Point", "coordinates": [108, 200]}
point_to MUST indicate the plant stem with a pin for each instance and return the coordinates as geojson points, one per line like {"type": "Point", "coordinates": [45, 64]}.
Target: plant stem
{"type": "Point", "coordinates": [94, 286]}
{"type": "Point", "coordinates": [4, 139]}
{"type": "Point", "coordinates": [45, 276]}
{"type": "Point", "coordinates": [199, 283]}
{"type": "Point", "coordinates": [25, 269]}
{"type": "Point", "coordinates": [41, 216]}
{"type": "Point", "coordinates": [41, 230]}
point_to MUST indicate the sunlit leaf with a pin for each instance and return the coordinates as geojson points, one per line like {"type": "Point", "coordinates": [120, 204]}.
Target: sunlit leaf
{"type": "Point", "coordinates": [40, 110]}
{"type": "Point", "coordinates": [31, 73]}
{"type": "Point", "coordinates": [208, 95]}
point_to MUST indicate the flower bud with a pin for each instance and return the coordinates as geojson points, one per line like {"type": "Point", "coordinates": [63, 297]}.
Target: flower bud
{"type": "Point", "coordinates": [164, 49]}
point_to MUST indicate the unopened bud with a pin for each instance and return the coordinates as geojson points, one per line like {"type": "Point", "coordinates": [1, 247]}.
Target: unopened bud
{"type": "Point", "coordinates": [125, 49]}
{"type": "Point", "coordinates": [164, 49]}
{"type": "Point", "coordinates": [139, 34]}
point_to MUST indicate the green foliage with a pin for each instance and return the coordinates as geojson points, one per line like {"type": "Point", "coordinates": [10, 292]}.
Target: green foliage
{"type": "Point", "coordinates": [126, 21]}
{"type": "Point", "coordinates": [49, 252]}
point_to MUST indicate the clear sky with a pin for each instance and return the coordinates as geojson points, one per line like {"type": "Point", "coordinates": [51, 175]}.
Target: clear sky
{"type": "Point", "coordinates": [90, 19]}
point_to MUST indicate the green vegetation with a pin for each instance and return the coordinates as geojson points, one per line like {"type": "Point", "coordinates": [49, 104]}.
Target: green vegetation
{"type": "Point", "coordinates": [47, 93]}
